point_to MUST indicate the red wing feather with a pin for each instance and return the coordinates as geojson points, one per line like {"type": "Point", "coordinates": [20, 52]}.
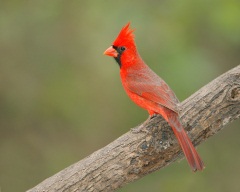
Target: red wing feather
{"type": "Point", "coordinates": [149, 86]}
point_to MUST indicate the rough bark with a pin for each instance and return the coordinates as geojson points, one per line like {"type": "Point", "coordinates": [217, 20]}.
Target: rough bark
{"type": "Point", "coordinates": [134, 155]}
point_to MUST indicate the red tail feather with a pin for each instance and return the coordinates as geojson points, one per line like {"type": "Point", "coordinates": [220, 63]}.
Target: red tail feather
{"type": "Point", "coordinates": [190, 152]}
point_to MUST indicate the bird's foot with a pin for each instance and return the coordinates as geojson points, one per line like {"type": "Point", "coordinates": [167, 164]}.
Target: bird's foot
{"type": "Point", "coordinates": [137, 129]}
{"type": "Point", "coordinates": [153, 116]}
{"type": "Point", "coordinates": [141, 127]}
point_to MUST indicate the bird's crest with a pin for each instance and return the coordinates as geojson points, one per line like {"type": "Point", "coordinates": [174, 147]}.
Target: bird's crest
{"type": "Point", "coordinates": [125, 37]}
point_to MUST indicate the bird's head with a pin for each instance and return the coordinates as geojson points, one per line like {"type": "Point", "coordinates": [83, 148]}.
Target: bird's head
{"type": "Point", "coordinates": [123, 49]}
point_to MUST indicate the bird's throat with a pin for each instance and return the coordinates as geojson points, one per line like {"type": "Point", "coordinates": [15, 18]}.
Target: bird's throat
{"type": "Point", "coordinates": [118, 59]}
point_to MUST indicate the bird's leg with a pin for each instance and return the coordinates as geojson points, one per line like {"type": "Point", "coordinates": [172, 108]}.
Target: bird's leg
{"type": "Point", "coordinates": [140, 128]}
{"type": "Point", "coordinates": [153, 115]}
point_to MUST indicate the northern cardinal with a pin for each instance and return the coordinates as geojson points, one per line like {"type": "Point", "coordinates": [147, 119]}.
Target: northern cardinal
{"type": "Point", "coordinates": [149, 91]}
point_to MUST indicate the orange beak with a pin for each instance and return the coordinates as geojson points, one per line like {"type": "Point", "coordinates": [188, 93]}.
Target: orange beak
{"type": "Point", "coordinates": [111, 52]}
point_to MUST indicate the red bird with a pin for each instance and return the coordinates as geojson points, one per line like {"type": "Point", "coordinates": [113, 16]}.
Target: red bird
{"type": "Point", "coordinates": [149, 91]}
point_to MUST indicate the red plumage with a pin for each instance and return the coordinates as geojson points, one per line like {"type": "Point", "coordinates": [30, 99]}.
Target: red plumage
{"type": "Point", "coordinates": [125, 37]}
{"type": "Point", "coordinates": [149, 91]}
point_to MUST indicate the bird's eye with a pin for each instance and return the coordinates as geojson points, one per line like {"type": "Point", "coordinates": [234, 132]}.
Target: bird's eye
{"type": "Point", "coordinates": [122, 48]}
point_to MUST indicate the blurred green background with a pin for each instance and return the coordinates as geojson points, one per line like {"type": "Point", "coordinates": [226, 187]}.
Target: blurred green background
{"type": "Point", "coordinates": [61, 99]}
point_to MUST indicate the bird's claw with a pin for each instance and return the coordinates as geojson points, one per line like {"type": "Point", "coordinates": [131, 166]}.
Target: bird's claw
{"type": "Point", "coordinates": [141, 127]}
{"type": "Point", "coordinates": [138, 129]}
{"type": "Point", "coordinates": [153, 116]}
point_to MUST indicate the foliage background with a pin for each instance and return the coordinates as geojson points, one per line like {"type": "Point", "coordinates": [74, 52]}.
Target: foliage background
{"type": "Point", "coordinates": [61, 99]}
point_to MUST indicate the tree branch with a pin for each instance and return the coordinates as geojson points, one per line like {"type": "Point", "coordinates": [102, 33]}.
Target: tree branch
{"type": "Point", "coordinates": [134, 155]}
